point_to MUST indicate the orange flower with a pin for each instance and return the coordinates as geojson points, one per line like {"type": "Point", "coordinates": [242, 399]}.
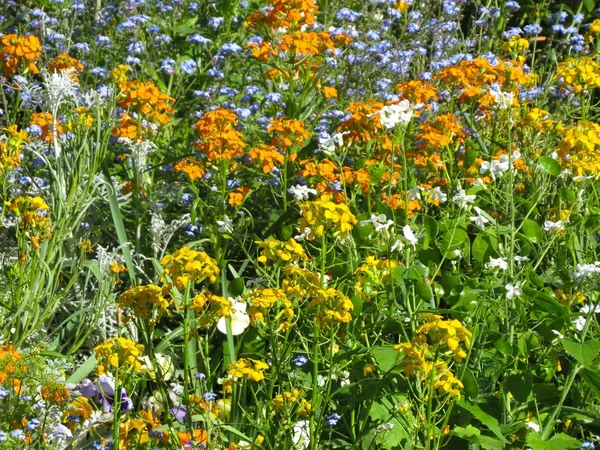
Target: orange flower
{"type": "Point", "coordinates": [329, 92]}
{"type": "Point", "coordinates": [64, 61]}
{"type": "Point", "coordinates": [145, 98]}
{"type": "Point", "coordinates": [46, 122]}
{"type": "Point", "coordinates": [198, 436]}
{"type": "Point", "coordinates": [128, 127]}
{"type": "Point", "coordinates": [193, 168]}
{"type": "Point", "coordinates": [237, 197]}
{"type": "Point", "coordinates": [289, 132]}
{"type": "Point", "coordinates": [440, 132]}
{"type": "Point", "coordinates": [267, 156]}
{"type": "Point", "coordinates": [219, 138]}
{"type": "Point", "coordinates": [285, 14]}
{"type": "Point", "coordinates": [17, 48]}
{"type": "Point", "coordinates": [417, 91]}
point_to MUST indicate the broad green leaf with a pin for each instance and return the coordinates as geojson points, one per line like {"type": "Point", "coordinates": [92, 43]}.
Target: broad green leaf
{"type": "Point", "coordinates": [424, 291]}
{"type": "Point", "coordinates": [470, 157]}
{"type": "Point", "coordinates": [503, 346]}
{"type": "Point", "coordinates": [584, 353]}
{"type": "Point", "coordinates": [592, 379]}
{"type": "Point", "coordinates": [520, 386]}
{"type": "Point", "coordinates": [455, 239]}
{"type": "Point", "coordinates": [558, 442]}
{"type": "Point", "coordinates": [465, 433]}
{"type": "Point", "coordinates": [533, 231]}
{"type": "Point", "coordinates": [489, 421]}
{"type": "Point", "coordinates": [236, 287]}
{"type": "Point", "coordinates": [550, 165]}
{"type": "Point", "coordinates": [470, 383]}
{"type": "Point", "coordinates": [386, 356]}
{"type": "Point", "coordinates": [484, 247]}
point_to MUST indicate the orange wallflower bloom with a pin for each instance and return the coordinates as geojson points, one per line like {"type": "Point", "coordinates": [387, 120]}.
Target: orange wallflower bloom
{"type": "Point", "coordinates": [219, 138]}
{"type": "Point", "coordinates": [17, 48]}
{"type": "Point", "coordinates": [64, 61]}
{"type": "Point", "coordinates": [289, 132]}
{"type": "Point", "coordinates": [45, 121]}
{"type": "Point", "coordinates": [193, 168]}
{"type": "Point", "coordinates": [146, 99]}
{"type": "Point", "coordinates": [267, 156]}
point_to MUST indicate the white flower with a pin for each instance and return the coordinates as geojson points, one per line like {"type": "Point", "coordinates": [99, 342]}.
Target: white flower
{"type": "Point", "coordinates": [300, 192]}
{"type": "Point", "coordinates": [384, 427]}
{"type": "Point", "coordinates": [321, 380]}
{"type": "Point", "coordinates": [500, 263]}
{"type": "Point", "coordinates": [239, 319]}
{"type": "Point", "coordinates": [513, 290]}
{"type": "Point", "coordinates": [558, 334]}
{"type": "Point", "coordinates": [437, 195]}
{"type": "Point", "coordinates": [502, 99]}
{"type": "Point", "coordinates": [496, 168]}
{"type": "Point", "coordinates": [392, 115]}
{"type": "Point", "coordinates": [479, 220]}
{"type": "Point", "coordinates": [378, 221]}
{"type": "Point", "coordinates": [479, 182]}
{"type": "Point", "coordinates": [225, 225]}
{"type": "Point", "coordinates": [410, 236]}
{"type": "Point", "coordinates": [463, 199]}
{"type": "Point", "coordinates": [553, 226]}
{"type": "Point", "coordinates": [414, 193]}
{"type": "Point", "coordinates": [345, 378]}
{"type": "Point", "coordinates": [397, 247]}
{"type": "Point", "coordinates": [533, 426]}
{"type": "Point", "coordinates": [579, 323]}
{"type": "Point", "coordinates": [301, 437]}
{"type": "Point", "coordinates": [520, 258]}
{"type": "Point", "coordinates": [587, 270]}
{"type": "Point", "coordinates": [329, 144]}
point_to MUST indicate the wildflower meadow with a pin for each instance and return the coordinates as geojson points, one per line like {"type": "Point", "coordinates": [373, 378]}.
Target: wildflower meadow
{"type": "Point", "coordinates": [299, 224]}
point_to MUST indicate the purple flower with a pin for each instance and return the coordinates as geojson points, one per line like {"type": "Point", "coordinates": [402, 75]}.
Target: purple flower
{"type": "Point", "coordinates": [87, 388]}
{"type": "Point", "coordinates": [179, 412]}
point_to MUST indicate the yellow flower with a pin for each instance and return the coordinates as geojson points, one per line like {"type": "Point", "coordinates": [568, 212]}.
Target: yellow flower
{"type": "Point", "coordinates": [146, 301]}
{"type": "Point", "coordinates": [280, 252]}
{"type": "Point", "coordinates": [250, 369]}
{"type": "Point", "coordinates": [186, 265]}
{"type": "Point", "coordinates": [322, 215]}
{"type": "Point", "coordinates": [120, 353]}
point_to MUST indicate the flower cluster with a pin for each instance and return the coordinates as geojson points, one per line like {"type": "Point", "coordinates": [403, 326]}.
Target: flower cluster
{"type": "Point", "coordinates": [324, 216]}
{"type": "Point", "coordinates": [120, 354]}
{"type": "Point", "coordinates": [186, 265]}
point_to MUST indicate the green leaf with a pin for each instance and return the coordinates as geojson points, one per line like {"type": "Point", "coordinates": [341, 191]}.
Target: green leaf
{"type": "Point", "coordinates": [470, 383]}
{"type": "Point", "coordinates": [455, 239]}
{"type": "Point", "coordinates": [503, 346]}
{"type": "Point", "coordinates": [589, 5]}
{"type": "Point", "coordinates": [115, 211]}
{"type": "Point", "coordinates": [533, 231]}
{"type": "Point", "coordinates": [386, 356]}
{"type": "Point", "coordinates": [484, 247]}
{"type": "Point", "coordinates": [550, 165]}
{"type": "Point", "coordinates": [520, 386]}
{"type": "Point", "coordinates": [424, 291]}
{"type": "Point", "coordinates": [236, 287]}
{"type": "Point", "coordinates": [592, 378]}
{"type": "Point", "coordinates": [83, 370]}
{"type": "Point", "coordinates": [584, 353]}
{"type": "Point", "coordinates": [489, 421]}
{"type": "Point", "coordinates": [470, 157]}
{"type": "Point", "coordinates": [465, 433]}
{"type": "Point", "coordinates": [558, 442]}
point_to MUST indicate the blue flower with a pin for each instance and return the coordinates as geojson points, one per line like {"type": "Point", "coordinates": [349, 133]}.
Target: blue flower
{"type": "Point", "coordinates": [18, 434]}
{"type": "Point", "coordinates": [3, 436]}
{"type": "Point", "coordinates": [299, 360]}
{"type": "Point", "coordinates": [210, 396]}
{"type": "Point", "coordinates": [532, 29]}
{"type": "Point", "coordinates": [199, 39]}
{"type": "Point", "coordinates": [333, 419]}
{"type": "Point", "coordinates": [188, 66]}
{"type": "Point", "coordinates": [215, 22]}
{"type": "Point", "coordinates": [230, 48]}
